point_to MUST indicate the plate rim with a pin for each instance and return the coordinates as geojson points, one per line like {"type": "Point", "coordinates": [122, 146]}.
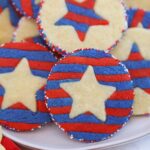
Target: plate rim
{"type": "Point", "coordinates": [114, 144]}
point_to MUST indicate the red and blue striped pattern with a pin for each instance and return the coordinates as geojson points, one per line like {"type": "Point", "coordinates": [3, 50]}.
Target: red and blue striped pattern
{"type": "Point", "coordinates": [108, 71]}
{"type": "Point", "coordinates": [139, 69]}
{"type": "Point", "coordinates": [14, 17]}
{"type": "Point", "coordinates": [19, 117]}
{"type": "Point", "coordinates": [27, 7]}
{"type": "Point", "coordinates": [81, 16]}
{"type": "Point", "coordinates": [137, 16]}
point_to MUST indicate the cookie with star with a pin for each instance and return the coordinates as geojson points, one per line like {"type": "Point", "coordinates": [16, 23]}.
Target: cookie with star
{"type": "Point", "coordinates": [8, 21]}
{"type": "Point", "coordinates": [28, 8]}
{"type": "Point", "coordinates": [27, 28]}
{"type": "Point", "coordinates": [142, 4]}
{"type": "Point", "coordinates": [24, 68]}
{"type": "Point", "coordinates": [86, 23]}
{"type": "Point", "coordinates": [89, 95]}
{"type": "Point", "coordinates": [133, 51]}
{"type": "Point", "coordinates": [138, 18]}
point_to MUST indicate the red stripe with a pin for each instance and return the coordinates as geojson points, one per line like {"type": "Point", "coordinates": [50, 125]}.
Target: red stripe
{"type": "Point", "coordinates": [90, 127]}
{"type": "Point", "coordinates": [85, 20]}
{"type": "Point", "coordinates": [81, 35]}
{"type": "Point", "coordinates": [27, 46]}
{"type": "Point", "coordinates": [139, 73]}
{"type": "Point", "coordinates": [1, 9]}
{"type": "Point", "coordinates": [74, 75]}
{"type": "Point", "coordinates": [27, 7]}
{"type": "Point", "coordinates": [110, 111]}
{"type": "Point", "coordinates": [138, 17]}
{"type": "Point", "coordinates": [89, 4]}
{"type": "Point", "coordinates": [118, 95]}
{"type": "Point", "coordinates": [135, 57]}
{"type": "Point", "coordinates": [38, 65]}
{"type": "Point", "coordinates": [90, 61]}
{"type": "Point", "coordinates": [19, 126]}
{"type": "Point", "coordinates": [122, 95]}
{"type": "Point", "coordinates": [147, 90]}
{"type": "Point", "coordinates": [9, 145]}
{"type": "Point", "coordinates": [57, 93]}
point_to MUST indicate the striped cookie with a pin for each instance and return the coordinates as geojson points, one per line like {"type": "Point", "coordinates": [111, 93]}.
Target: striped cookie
{"type": "Point", "coordinates": [89, 95]}
{"type": "Point", "coordinates": [133, 51]}
{"type": "Point", "coordinates": [71, 24]}
{"type": "Point", "coordinates": [24, 69]}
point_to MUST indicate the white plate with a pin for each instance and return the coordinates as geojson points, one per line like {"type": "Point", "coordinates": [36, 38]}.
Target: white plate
{"type": "Point", "coordinates": [50, 137]}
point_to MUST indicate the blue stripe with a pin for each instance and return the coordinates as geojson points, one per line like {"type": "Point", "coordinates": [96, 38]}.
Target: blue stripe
{"type": "Point", "coordinates": [130, 14]}
{"type": "Point", "coordinates": [40, 95]}
{"type": "Point", "coordinates": [119, 103]}
{"type": "Point", "coordinates": [24, 116]}
{"type": "Point", "coordinates": [104, 70]}
{"type": "Point", "coordinates": [2, 91]}
{"type": "Point", "coordinates": [30, 55]}
{"type": "Point", "coordinates": [78, 26]}
{"type": "Point", "coordinates": [89, 136]}
{"type": "Point", "coordinates": [143, 83]}
{"type": "Point", "coordinates": [143, 64]}
{"type": "Point", "coordinates": [109, 103]}
{"type": "Point", "coordinates": [83, 118]}
{"type": "Point", "coordinates": [59, 102]}
{"type": "Point", "coordinates": [3, 3]}
{"type": "Point", "coordinates": [82, 11]}
{"type": "Point", "coordinates": [14, 17]}
{"type": "Point", "coordinates": [146, 20]}
{"type": "Point", "coordinates": [92, 53]}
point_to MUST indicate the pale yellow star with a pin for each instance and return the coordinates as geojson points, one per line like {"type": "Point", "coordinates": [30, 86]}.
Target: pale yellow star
{"type": "Point", "coordinates": [141, 102]}
{"type": "Point", "coordinates": [6, 28]}
{"type": "Point", "coordinates": [1, 147]}
{"type": "Point", "coordinates": [21, 86]}
{"type": "Point", "coordinates": [27, 29]}
{"type": "Point", "coordinates": [88, 95]}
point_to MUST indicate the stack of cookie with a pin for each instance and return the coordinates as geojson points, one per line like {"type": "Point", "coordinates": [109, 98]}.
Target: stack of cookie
{"type": "Point", "coordinates": [82, 64]}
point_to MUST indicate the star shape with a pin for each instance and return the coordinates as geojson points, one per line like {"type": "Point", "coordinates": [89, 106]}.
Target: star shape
{"type": "Point", "coordinates": [81, 16]}
{"type": "Point", "coordinates": [27, 29]}
{"type": "Point", "coordinates": [21, 86]}
{"type": "Point", "coordinates": [143, 104]}
{"type": "Point", "coordinates": [141, 80]}
{"type": "Point", "coordinates": [88, 95]}
{"type": "Point", "coordinates": [6, 28]}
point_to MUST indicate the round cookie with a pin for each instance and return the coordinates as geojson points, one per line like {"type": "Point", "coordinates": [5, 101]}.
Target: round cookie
{"type": "Point", "coordinates": [8, 21]}
{"type": "Point", "coordinates": [90, 23]}
{"type": "Point", "coordinates": [138, 18]}
{"type": "Point", "coordinates": [142, 4]}
{"type": "Point", "coordinates": [89, 95]}
{"type": "Point", "coordinates": [133, 51]}
{"type": "Point", "coordinates": [28, 8]}
{"type": "Point", "coordinates": [24, 68]}
{"type": "Point", "coordinates": [27, 28]}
